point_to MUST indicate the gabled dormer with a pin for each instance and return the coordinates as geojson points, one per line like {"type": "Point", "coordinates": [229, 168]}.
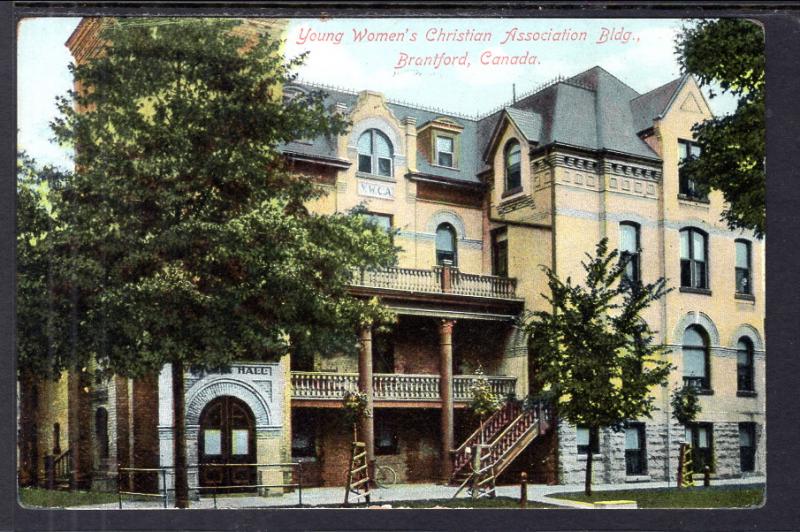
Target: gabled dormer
{"type": "Point", "coordinates": [439, 141]}
{"type": "Point", "coordinates": [507, 153]}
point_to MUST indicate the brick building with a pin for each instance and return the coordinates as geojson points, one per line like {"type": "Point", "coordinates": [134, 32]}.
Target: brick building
{"type": "Point", "coordinates": [478, 203]}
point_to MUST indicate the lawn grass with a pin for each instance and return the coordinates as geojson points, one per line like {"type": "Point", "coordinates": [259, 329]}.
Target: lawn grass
{"type": "Point", "coordinates": [698, 497]}
{"type": "Point", "coordinates": [42, 498]}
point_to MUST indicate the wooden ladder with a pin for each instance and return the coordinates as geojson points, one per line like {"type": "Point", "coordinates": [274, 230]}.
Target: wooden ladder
{"type": "Point", "coordinates": [481, 482]}
{"type": "Point", "coordinates": [685, 474]}
{"type": "Point", "coordinates": [358, 477]}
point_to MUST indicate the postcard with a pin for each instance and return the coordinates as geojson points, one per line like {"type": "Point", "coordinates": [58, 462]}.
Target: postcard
{"type": "Point", "coordinates": [390, 263]}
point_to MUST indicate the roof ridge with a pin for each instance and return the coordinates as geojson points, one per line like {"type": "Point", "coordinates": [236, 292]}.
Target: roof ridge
{"type": "Point", "coordinates": [610, 74]}
{"type": "Point", "coordinates": [478, 116]}
{"type": "Point", "coordinates": [678, 79]}
{"type": "Point", "coordinates": [393, 101]}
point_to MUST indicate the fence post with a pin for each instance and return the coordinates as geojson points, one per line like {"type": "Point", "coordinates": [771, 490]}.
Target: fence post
{"type": "Point", "coordinates": [300, 482]}
{"type": "Point", "coordinates": [523, 490]}
{"type": "Point", "coordinates": [164, 484]}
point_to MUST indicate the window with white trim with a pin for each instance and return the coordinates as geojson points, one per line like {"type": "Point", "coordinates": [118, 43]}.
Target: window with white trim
{"type": "Point", "coordinates": [445, 151]}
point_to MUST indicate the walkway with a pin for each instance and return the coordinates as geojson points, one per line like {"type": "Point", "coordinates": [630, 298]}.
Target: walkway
{"type": "Point", "coordinates": [322, 497]}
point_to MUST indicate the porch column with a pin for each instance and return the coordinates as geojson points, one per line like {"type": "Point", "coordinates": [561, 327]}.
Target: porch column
{"type": "Point", "coordinates": [446, 390]}
{"type": "Point", "coordinates": [365, 385]}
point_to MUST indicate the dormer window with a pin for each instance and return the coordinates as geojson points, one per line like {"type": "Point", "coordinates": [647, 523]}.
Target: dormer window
{"type": "Point", "coordinates": [513, 172]}
{"type": "Point", "coordinates": [439, 142]}
{"type": "Point", "coordinates": [445, 151]}
{"type": "Point", "coordinates": [375, 153]}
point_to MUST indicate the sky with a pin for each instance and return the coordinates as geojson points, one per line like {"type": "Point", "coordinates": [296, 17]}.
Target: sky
{"type": "Point", "coordinates": [450, 64]}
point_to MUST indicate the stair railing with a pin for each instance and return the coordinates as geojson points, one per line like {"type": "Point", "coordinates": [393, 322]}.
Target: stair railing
{"type": "Point", "coordinates": [535, 418]}
{"type": "Point", "coordinates": [491, 427]}
{"type": "Point", "coordinates": [58, 469]}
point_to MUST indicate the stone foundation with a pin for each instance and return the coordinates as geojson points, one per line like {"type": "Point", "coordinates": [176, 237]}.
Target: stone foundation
{"type": "Point", "coordinates": [662, 448]}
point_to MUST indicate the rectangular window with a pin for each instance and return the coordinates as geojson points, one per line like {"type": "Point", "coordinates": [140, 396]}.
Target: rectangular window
{"type": "Point", "coordinates": [635, 451]}
{"type": "Point", "coordinates": [384, 221]}
{"type": "Point", "coordinates": [303, 435]}
{"type": "Point", "coordinates": [743, 278]}
{"type": "Point", "coordinates": [239, 441]}
{"type": "Point", "coordinates": [212, 441]}
{"type": "Point", "coordinates": [687, 187]}
{"type": "Point", "coordinates": [629, 250]}
{"type": "Point", "coordinates": [500, 252]}
{"type": "Point", "coordinates": [700, 436]}
{"type": "Point", "coordinates": [384, 166]}
{"type": "Point", "coordinates": [385, 436]}
{"type": "Point", "coordinates": [747, 447]}
{"type": "Point", "coordinates": [587, 437]}
{"type": "Point", "coordinates": [365, 163]}
{"type": "Point", "coordinates": [694, 257]}
{"type": "Point", "coordinates": [445, 154]}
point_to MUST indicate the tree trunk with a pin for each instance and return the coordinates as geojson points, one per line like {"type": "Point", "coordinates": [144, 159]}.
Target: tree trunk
{"type": "Point", "coordinates": [179, 412]}
{"type": "Point", "coordinates": [588, 481]}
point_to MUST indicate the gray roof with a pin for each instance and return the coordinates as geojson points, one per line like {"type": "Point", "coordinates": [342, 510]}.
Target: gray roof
{"type": "Point", "coordinates": [592, 110]}
{"type": "Point", "coordinates": [653, 104]}
{"type": "Point", "coordinates": [528, 123]}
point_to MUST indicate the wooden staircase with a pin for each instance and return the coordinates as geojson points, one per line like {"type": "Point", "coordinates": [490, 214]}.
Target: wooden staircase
{"type": "Point", "coordinates": [507, 433]}
{"type": "Point", "coordinates": [58, 471]}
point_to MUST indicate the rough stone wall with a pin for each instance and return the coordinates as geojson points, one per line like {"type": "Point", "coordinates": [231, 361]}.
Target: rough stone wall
{"type": "Point", "coordinates": [662, 460]}
{"type": "Point", "coordinates": [726, 450]}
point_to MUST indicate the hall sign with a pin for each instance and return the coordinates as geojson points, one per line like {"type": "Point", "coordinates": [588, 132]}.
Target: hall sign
{"type": "Point", "coordinates": [249, 370]}
{"type": "Point", "coordinates": [375, 189]}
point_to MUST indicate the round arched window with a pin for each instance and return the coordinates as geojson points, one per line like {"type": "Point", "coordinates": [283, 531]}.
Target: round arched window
{"type": "Point", "coordinates": [695, 358]}
{"type": "Point", "coordinates": [512, 166]}
{"type": "Point", "coordinates": [744, 365]}
{"type": "Point", "coordinates": [375, 153]}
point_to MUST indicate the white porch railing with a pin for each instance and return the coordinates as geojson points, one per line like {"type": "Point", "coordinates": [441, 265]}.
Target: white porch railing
{"type": "Point", "coordinates": [389, 386]}
{"type": "Point", "coordinates": [434, 281]}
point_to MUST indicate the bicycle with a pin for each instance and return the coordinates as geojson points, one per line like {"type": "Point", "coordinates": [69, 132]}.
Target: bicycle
{"type": "Point", "coordinates": [385, 476]}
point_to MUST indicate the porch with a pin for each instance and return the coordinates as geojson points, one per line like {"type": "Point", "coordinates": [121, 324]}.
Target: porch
{"type": "Point", "coordinates": [403, 390]}
{"type": "Point", "coordinates": [438, 280]}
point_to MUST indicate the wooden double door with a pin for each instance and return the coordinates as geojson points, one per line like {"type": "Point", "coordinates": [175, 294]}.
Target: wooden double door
{"type": "Point", "coordinates": [227, 447]}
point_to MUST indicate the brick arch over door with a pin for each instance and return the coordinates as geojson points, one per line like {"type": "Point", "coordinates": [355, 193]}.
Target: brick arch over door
{"type": "Point", "coordinates": [697, 318]}
{"type": "Point", "coordinates": [210, 390]}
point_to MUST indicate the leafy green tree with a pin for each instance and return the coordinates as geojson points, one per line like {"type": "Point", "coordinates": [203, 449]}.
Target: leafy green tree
{"type": "Point", "coordinates": [730, 52]}
{"type": "Point", "coordinates": [43, 338]}
{"type": "Point", "coordinates": [186, 236]}
{"type": "Point", "coordinates": [484, 402]}
{"type": "Point", "coordinates": [685, 405]}
{"type": "Point", "coordinates": [593, 354]}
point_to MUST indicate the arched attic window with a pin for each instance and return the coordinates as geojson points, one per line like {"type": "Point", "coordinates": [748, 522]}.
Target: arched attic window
{"type": "Point", "coordinates": [375, 153]}
{"type": "Point", "coordinates": [513, 173]}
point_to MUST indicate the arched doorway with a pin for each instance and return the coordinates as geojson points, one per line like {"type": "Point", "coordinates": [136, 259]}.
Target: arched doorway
{"type": "Point", "coordinates": [227, 436]}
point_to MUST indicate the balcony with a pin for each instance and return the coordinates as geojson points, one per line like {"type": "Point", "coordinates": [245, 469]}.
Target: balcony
{"type": "Point", "coordinates": [438, 280]}
{"type": "Point", "coordinates": [307, 385]}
